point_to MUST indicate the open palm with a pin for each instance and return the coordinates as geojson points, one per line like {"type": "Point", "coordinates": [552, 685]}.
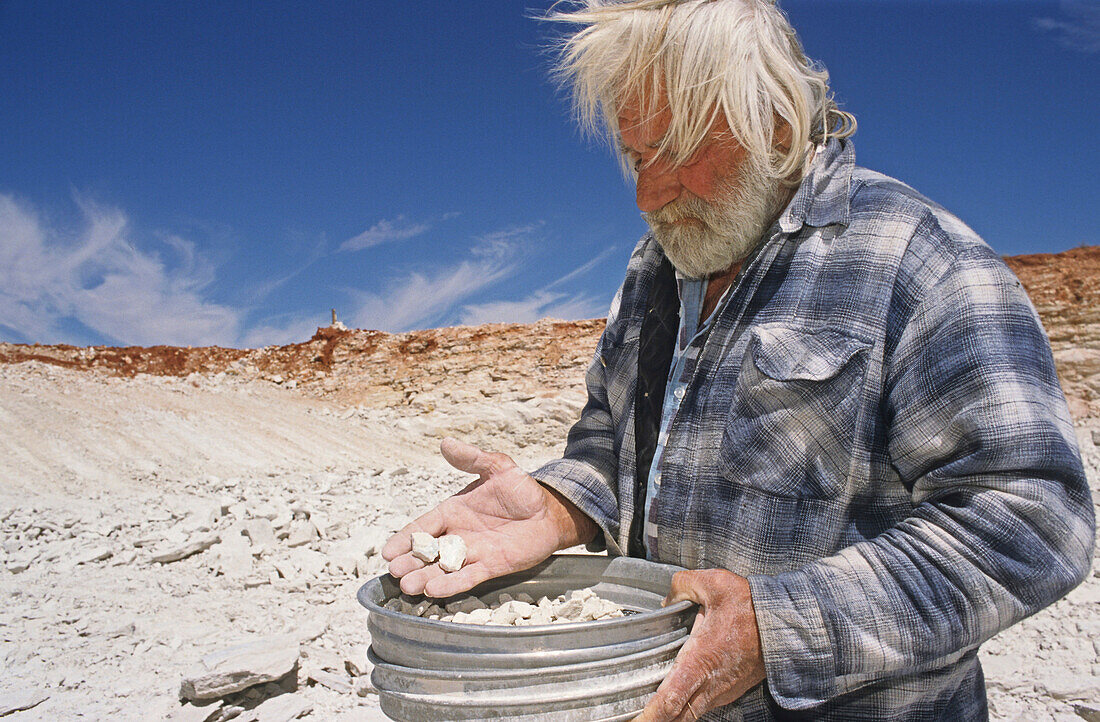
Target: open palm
{"type": "Point", "coordinates": [508, 520]}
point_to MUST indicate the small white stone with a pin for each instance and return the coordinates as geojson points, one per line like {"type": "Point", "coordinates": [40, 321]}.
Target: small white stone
{"type": "Point", "coordinates": [425, 547]}
{"type": "Point", "coordinates": [452, 553]}
{"type": "Point", "coordinates": [569, 611]}
{"type": "Point", "coordinates": [478, 616]}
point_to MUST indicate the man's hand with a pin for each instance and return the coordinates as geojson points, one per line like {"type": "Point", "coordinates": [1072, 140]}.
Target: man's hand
{"type": "Point", "coordinates": [508, 520]}
{"type": "Point", "coordinates": [721, 659]}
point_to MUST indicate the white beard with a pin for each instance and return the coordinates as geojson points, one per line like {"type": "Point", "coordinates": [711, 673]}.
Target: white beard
{"type": "Point", "coordinates": [702, 238]}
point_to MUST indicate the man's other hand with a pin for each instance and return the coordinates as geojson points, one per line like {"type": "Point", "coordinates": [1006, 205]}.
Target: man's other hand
{"type": "Point", "coordinates": [508, 520]}
{"type": "Point", "coordinates": [721, 659]}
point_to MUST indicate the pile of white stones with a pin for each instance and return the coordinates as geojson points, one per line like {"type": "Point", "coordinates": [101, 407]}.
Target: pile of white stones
{"type": "Point", "coordinates": [581, 605]}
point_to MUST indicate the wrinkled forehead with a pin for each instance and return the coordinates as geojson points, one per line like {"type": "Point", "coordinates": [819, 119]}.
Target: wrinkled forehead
{"type": "Point", "coordinates": [640, 116]}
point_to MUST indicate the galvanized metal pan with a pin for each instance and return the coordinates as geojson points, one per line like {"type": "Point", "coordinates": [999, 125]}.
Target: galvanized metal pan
{"type": "Point", "coordinates": [602, 670]}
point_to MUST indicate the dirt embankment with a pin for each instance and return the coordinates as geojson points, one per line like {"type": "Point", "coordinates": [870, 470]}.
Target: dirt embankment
{"type": "Point", "coordinates": [381, 370]}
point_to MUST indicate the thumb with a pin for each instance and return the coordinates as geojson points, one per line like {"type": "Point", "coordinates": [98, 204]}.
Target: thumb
{"type": "Point", "coordinates": [465, 457]}
{"type": "Point", "coordinates": [685, 585]}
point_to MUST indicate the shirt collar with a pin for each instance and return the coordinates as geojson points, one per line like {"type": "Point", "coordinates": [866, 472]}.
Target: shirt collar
{"type": "Point", "coordinates": [822, 198]}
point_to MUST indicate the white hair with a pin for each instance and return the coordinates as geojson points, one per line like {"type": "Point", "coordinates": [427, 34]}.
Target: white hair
{"type": "Point", "coordinates": [740, 58]}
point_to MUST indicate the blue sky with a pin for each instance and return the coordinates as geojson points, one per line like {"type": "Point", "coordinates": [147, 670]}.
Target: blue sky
{"type": "Point", "coordinates": [226, 172]}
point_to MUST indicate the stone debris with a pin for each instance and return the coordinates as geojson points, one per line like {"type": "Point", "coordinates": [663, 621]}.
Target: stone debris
{"type": "Point", "coordinates": [94, 554]}
{"type": "Point", "coordinates": [240, 667]}
{"type": "Point", "coordinates": [1088, 711]}
{"type": "Point", "coordinates": [335, 682]}
{"type": "Point", "coordinates": [425, 547]}
{"type": "Point", "coordinates": [282, 708]}
{"type": "Point", "coordinates": [262, 534]}
{"type": "Point", "coordinates": [152, 462]}
{"type": "Point", "coordinates": [193, 713]}
{"type": "Point", "coordinates": [364, 687]}
{"type": "Point", "coordinates": [21, 700]}
{"type": "Point", "coordinates": [233, 554]}
{"type": "Point", "coordinates": [182, 551]}
{"type": "Point", "coordinates": [351, 556]}
{"type": "Point", "coordinates": [580, 605]}
{"type": "Point", "coordinates": [452, 552]}
{"type": "Point", "coordinates": [357, 661]}
{"type": "Point", "coordinates": [302, 532]}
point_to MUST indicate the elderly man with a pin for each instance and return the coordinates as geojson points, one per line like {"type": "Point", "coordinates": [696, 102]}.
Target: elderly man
{"type": "Point", "coordinates": [818, 390]}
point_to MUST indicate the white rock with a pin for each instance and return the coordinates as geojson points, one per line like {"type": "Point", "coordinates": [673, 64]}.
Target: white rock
{"type": "Point", "coordinates": [335, 682]}
{"type": "Point", "coordinates": [477, 616]}
{"type": "Point", "coordinates": [240, 667]}
{"type": "Point", "coordinates": [452, 552]}
{"type": "Point", "coordinates": [194, 546]}
{"type": "Point", "coordinates": [193, 713]}
{"type": "Point", "coordinates": [282, 708]}
{"type": "Point", "coordinates": [363, 542]}
{"type": "Point", "coordinates": [357, 661]}
{"type": "Point", "coordinates": [591, 608]}
{"type": "Point", "coordinates": [302, 532]}
{"type": "Point", "coordinates": [234, 552]}
{"type": "Point", "coordinates": [540, 616]}
{"type": "Point", "coordinates": [21, 700]}
{"type": "Point", "coordinates": [262, 534]}
{"type": "Point", "coordinates": [425, 547]}
{"type": "Point", "coordinates": [92, 554]}
{"type": "Point", "coordinates": [569, 611]}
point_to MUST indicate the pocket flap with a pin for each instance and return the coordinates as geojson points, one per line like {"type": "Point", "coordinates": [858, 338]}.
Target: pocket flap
{"type": "Point", "coordinates": [785, 354]}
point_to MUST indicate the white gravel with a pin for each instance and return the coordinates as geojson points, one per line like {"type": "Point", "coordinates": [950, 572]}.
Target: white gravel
{"type": "Point", "coordinates": [148, 523]}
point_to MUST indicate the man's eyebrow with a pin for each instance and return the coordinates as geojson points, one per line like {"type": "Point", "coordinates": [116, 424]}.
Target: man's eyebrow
{"type": "Point", "coordinates": [624, 149]}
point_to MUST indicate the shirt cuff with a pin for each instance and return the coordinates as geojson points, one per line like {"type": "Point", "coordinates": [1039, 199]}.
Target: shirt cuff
{"type": "Point", "coordinates": [588, 492]}
{"type": "Point", "coordinates": [798, 654]}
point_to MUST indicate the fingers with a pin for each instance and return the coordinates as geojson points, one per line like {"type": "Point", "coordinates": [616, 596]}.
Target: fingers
{"type": "Point", "coordinates": [415, 581]}
{"type": "Point", "coordinates": [673, 695]}
{"type": "Point", "coordinates": [685, 585]}
{"type": "Point", "coordinates": [405, 564]}
{"type": "Point", "coordinates": [463, 456]}
{"type": "Point", "coordinates": [471, 459]}
{"type": "Point", "coordinates": [431, 581]}
{"type": "Point", "coordinates": [401, 542]}
{"type": "Point", "coordinates": [465, 579]}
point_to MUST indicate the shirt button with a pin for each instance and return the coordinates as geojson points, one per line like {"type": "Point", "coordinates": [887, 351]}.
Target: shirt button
{"type": "Point", "coordinates": [679, 392]}
{"type": "Point", "coordinates": [657, 478]}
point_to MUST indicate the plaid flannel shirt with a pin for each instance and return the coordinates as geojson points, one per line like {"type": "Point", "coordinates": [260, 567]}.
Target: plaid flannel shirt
{"type": "Point", "coordinates": [873, 434]}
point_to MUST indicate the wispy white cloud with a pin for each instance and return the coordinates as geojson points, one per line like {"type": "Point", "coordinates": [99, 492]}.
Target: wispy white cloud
{"type": "Point", "coordinates": [1079, 29]}
{"type": "Point", "coordinates": [541, 304]}
{"type": "Point", "coordinates": [385, 231]}
{"type": "Point", "coordinates": [99, 278]}
{"type": "Point", "coordinates": [425, 298]}
{"type": "Point", "coordinates": [584, 267]}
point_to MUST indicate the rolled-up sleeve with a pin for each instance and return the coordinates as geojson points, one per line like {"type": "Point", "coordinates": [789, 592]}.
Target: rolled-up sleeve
{"type": "Point", "coordinates": [1002, 524]}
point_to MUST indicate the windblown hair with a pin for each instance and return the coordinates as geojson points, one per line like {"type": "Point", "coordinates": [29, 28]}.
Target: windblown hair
{"type": "Point", "coordinates": [740, 58]}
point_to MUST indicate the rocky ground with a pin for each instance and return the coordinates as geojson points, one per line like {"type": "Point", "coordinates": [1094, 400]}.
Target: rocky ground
{"type": "Point", "coordinates": [161, 507]}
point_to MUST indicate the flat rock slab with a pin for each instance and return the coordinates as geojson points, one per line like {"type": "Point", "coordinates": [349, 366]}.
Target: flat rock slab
{"type": "Point", "coordinates": [284, 708]}
{"type": "Point", "coordinates": [191, 713]}
{"type": "Point", "coordinates": [174, 554]}
{"type": "Point", "coordinates": [18, 701]}
{"type": "Point", "coordinates": [241, 667]}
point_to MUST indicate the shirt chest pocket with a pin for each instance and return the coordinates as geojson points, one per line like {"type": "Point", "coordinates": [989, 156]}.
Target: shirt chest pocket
{"type": "Point", "coordinates": [794, 412]}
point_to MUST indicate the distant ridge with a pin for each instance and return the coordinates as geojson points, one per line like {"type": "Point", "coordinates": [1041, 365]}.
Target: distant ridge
{"type": "Point", "coordinates": [377, 369]}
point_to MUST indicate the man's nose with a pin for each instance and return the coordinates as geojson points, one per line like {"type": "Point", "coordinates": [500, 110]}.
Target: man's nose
{"type": "Point", "coordinates": [657, 187]}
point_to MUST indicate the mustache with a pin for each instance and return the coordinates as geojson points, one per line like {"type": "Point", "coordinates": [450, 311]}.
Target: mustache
{"type": "Point", "coordinates": [680, 209]}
